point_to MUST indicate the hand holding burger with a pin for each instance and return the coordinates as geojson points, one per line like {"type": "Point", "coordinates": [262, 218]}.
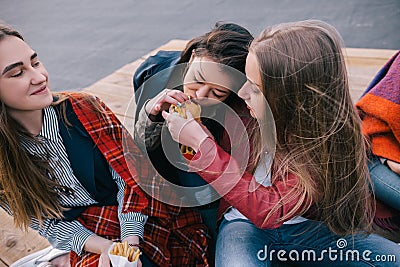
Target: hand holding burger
{"type": "Point", "coordinates": [184, 124]}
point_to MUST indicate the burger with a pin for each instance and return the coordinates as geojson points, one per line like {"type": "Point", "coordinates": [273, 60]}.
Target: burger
{"type": "Point", "coordinates": [181, 109]}
{"type": "Point", "coordinates": [194, 108]}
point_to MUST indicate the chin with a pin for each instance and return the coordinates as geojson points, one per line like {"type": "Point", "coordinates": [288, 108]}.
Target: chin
{"type": "Point", "coordinates": [48, 99]}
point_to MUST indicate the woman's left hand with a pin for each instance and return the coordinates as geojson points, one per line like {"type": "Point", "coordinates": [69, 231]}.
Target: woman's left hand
{"type": "Point", "coordinates": [104, 260]}
{"type": "Point", "coordinates": [394, 166]}
{"type": "Point", "coordinates": [61, 261]}
{"type": "Point", "coordinates": [99, 245]}
{"type": "Point", "coordinates": [188, 131]}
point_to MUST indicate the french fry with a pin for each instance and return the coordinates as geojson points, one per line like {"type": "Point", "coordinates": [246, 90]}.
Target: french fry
{"type": "Point", "coordinates": [130, 255]}
{"type": "Point", "coordinates": [136, 255]}
{"type": "Point", "coordinates": [114, 250]}
{"type": "Point", "coordinates": [126, 246]}
{"type": "Point", "coordinates": [124, 250]}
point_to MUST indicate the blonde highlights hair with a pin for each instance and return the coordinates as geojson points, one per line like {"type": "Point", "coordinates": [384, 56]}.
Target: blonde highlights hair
{"type": "Point", "coordinates": [319, 139]}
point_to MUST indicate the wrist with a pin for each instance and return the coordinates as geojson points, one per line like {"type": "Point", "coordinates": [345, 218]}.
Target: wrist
{"type": "Point", "coordinates": [146, 107]}
{"type": "Point", "coordinates": [97, 244]}
{"type": "Point", "coordinates": [134, 245]}
{"type": "Point", "coordinates": [198, 140]}
{"type": "Point", "coordinates": [133, 241]}
{"type": "Point", "coordinates": [104, 246]}
{"type": "Point", "coordinates": [153, 117]}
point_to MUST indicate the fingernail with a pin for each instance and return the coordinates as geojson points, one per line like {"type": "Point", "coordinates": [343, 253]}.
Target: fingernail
{"type": "Point", "coordinates": [179, 104]}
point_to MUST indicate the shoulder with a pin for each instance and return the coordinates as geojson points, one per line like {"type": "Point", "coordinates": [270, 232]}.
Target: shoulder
{"type": "Point", "coordinates": [161, 57]}
{"type": "Point", "coordinates": [59, 97]}
{"type": "Point", "coordinates": [80, 103]}
{"type": "Point", "coordinates": [153, 65]}
{"type": "Point", "coordinates": [79, 99]}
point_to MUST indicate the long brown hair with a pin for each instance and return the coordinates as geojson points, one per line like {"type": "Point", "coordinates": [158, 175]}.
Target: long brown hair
{"type": "Point", "coordinates": [27, 182]}
{"type": "Point", "coordinates": [304, 80]}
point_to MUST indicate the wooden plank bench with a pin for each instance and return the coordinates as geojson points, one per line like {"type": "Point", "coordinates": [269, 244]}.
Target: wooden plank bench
{"type": "Point", "coordinates": [116, 91]}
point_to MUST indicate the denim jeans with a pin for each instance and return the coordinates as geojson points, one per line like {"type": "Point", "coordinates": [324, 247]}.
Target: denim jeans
{"type": "Point", "coordinates": [386, 183]}
{"type": "Point", "coordinates": [310, 243]}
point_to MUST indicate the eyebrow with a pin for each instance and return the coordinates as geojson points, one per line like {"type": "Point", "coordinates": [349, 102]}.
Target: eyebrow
{"type": "Point", "coordinates": [204, 80]}
{"type": "Point", "coordinates": [14, 65]}
{"type": "Point", "coordinates": [221, 91]}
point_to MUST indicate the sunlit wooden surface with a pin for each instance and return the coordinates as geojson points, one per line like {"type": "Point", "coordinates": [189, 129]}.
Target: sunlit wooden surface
{"type": "Point", "coordinates": [116, 91]}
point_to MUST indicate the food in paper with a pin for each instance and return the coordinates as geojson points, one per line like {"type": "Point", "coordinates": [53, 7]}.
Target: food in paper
{"type": "Point", "coordinates": [122, 255]}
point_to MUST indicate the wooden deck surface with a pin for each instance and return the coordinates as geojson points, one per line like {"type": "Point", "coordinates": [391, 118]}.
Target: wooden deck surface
{"type": "Point", "coordinates": [116, 91]}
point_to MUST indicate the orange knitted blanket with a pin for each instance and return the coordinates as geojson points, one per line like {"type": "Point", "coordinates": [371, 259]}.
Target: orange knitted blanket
{"type": "Point", "coordinates": [379, 109]}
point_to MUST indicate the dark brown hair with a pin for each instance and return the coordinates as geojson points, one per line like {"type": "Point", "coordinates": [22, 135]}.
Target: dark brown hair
{"type": "Point", "coordinates": [226, 43]}
{"type": "Point", "coordinates": [8, 31]}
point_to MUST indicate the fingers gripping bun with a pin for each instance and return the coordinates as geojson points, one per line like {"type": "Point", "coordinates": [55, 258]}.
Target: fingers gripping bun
{"type": "Point", "coordinates": [181, 109]}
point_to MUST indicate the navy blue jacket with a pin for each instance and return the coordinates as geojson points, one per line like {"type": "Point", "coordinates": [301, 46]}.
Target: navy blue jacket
{"type": "Point", "coordinates": [87, 162]}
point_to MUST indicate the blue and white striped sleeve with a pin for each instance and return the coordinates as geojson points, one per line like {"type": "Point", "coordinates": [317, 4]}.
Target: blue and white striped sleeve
{"type": "Point", "coordinates": [64, 235]}
{"type": "Point", "coordinates": [132, 223]}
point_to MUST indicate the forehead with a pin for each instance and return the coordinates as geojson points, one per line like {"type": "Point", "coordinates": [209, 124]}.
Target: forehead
{"type": "Point", "coordinates": [12, 50]}
{"type": "Point", "coordinates": [208, 71]}
{"type": "Point", "coordinates": [252, 68]}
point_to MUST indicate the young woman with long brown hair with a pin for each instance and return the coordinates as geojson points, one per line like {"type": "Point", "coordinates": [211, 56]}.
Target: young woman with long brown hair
{"type": "Point", "coordinates": [315, 205]}
{"type": "Point", "coordinates": [66, 173]}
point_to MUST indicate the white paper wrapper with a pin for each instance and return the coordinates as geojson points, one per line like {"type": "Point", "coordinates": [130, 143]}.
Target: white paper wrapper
{"type": "Point", "coordinates": [120, 261]}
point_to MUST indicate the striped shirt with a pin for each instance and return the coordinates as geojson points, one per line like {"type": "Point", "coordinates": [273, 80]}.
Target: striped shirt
{"type": "Point", "coordinates": [71, 235]}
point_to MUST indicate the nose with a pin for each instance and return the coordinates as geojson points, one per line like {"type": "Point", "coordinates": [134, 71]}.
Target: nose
{"type": "Point", "coordinates": [38, 76]}
{"type": "Point", "coordinates": [244, 91]}
{"type": "Point", "coordinates": [203, 91]}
